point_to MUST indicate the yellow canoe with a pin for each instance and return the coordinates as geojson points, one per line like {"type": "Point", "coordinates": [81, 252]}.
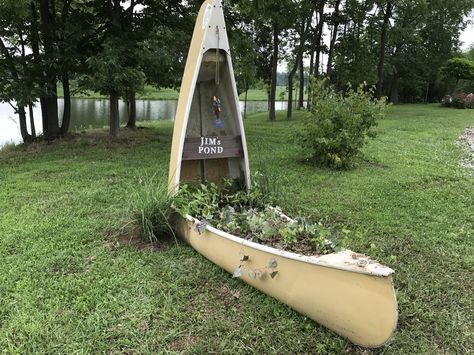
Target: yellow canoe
{"type": "Point", "coordinates": [345, 291]}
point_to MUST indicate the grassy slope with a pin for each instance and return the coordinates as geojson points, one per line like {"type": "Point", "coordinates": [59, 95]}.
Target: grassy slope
{"type": "Point", "coordinates": [152, 93]}
{"type": "Point", "coordinates": [67, 285]}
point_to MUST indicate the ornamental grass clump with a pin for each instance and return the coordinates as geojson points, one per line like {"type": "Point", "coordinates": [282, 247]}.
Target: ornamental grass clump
{"type": "Point", "coordinates": [151, 208]}
{"type": "Point", "coordinates": [338, 125]}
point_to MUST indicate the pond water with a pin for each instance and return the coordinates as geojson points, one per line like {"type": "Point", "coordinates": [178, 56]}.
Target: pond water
{"type": "Point", "coordinates": [94, 113]}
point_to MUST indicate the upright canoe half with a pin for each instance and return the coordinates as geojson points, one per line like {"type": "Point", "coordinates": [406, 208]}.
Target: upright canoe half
{"type": "Point", "coordinates": [208, 145]}
{"type": "Point", "coordinates": [345, 291]}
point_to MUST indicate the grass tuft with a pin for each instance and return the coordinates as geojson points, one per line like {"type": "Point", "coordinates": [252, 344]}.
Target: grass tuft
{"type": "Point", "coordinates": [151, 207]}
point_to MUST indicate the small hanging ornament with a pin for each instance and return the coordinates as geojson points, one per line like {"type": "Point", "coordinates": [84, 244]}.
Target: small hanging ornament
{"type": "Point", "coordinates": [216, 107]}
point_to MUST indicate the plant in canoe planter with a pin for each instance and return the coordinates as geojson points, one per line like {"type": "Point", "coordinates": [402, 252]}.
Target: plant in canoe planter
{"type": "Point", "coordinates": [292, 260]}
{"type": "Point", "coordinates": [248, 214]}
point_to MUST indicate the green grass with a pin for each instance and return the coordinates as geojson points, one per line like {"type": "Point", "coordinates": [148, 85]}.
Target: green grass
{"type": "Point", "coordinates": [70, 284]}
{"type": "Point", "coordinates": [152, 93]}
{"type": "Point", "coordinates": [261, 94]}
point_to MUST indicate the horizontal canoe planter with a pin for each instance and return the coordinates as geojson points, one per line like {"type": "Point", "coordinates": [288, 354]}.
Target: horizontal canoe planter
{"type": "Point", "coordinates": [345, 291]}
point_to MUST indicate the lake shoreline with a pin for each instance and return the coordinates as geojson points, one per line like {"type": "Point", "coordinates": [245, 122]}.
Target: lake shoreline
{"type": "Point", "coordinates": [151, 98]}
{"type": "Point", "coordinates": [89, 113]}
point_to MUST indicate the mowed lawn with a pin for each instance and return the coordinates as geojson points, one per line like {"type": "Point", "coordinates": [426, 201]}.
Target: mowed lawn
{"type": "Point", "coordinates": [152, 93]}
{"type": "Point", "coordinates": [72, 282]}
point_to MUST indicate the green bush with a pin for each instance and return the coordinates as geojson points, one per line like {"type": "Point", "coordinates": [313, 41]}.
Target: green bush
{"type": "Point", "coordinates": [338, 125]}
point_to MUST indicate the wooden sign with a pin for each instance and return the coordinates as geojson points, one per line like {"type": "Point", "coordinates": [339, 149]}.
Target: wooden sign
{"type": "Point", "coordinates": [199, 148]}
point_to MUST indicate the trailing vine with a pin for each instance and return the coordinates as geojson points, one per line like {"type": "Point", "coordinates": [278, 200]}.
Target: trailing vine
{"type": "Point", "coordinates": [247, 214]}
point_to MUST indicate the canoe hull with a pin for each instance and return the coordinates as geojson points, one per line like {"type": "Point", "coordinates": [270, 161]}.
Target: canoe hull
{"type": "Point", "coordinates": [355, 304]}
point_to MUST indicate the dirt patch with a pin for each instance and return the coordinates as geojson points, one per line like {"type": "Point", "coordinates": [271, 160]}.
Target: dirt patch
{"type": "Point", "coordinates": [373, 164]}
{"type": "Point", "coordinates": [228, 296]}
{"type": "Point", "coordinates": [468, 136]}
{"type": "Point", "coordinates": [205, 303]}
{"type": "Point", "coordinates": [468, 140]}
{"type": "Point", "coordinates": [97, 137]}
{"type": "Point", "coordinates": [183, 342]}
{"type": "Point", "coordinates": [132, 238]}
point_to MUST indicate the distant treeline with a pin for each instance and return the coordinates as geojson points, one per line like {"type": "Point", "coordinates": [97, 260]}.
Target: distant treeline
{"type": "Point", "coordinates": [117, 47]}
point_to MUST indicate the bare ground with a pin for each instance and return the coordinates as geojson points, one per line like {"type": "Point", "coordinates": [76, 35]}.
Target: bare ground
{"type": "Point", "coordinates": [468, 139]}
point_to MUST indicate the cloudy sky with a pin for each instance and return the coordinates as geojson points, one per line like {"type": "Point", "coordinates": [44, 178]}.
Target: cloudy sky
{"type": "Point", "coordinates": [467, 37]}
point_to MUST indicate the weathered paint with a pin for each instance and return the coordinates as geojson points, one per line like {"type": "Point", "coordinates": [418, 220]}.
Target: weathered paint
{"type": "Point", "coordinates": [353, 298]}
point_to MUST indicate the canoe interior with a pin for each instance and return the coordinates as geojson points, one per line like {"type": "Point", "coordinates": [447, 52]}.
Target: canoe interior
{"type": "Point", "coordinates": [214, 79]}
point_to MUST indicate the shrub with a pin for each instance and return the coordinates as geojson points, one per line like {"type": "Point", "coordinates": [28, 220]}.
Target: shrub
{"type": "Point", "coordinates": [338, 126]}
{"type": "Point", "coordinates": [447, 100]}
{"type": "Point", "coordinates": [469, 100]}
{"type": "Point", "coordinates": [458, 100]}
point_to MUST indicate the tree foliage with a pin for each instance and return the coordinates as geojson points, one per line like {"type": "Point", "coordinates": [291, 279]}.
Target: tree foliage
{"type": "Point", "coordinates": [116, 47]}
{"type": "Point", "coordinates": [459, 68]}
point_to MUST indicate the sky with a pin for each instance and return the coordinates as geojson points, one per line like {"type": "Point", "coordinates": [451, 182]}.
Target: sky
{"type": "Point", "coordinates": [467, 37]}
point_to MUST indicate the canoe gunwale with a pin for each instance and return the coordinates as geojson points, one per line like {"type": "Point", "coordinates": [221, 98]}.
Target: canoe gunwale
{"type": "Point", "coordinates": [342, 260]}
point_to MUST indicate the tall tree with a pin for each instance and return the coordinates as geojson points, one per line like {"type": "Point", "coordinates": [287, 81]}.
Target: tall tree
{"type": "Point", "coordinates": [276, 15]}
{"type": "Point", "coordinates": [115, 69]}
{"type": "Point", "coordinates": [335, 20]}
{"type": "Point", "coordinates": [45, 34]}
{"type": "Point", "coordinates": [318, 36]}
{"type": "Point", "coordinates": [17, 74]}
{"type": "Point", "coordinates": [386, 11]}
{"type": "Point", "coordinates": [305, 17]}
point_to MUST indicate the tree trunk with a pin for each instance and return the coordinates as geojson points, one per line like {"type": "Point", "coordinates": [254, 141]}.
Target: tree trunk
{"type": "Point", "coordinates": [383, 40]}
{"type": "Point", "coordinates": [311, 68]}
{"type": "Point", "coordinates": [114, 115]}
{"type": "Point", "coordinates": [296, 95]}
{"type": "Point", "coordinates": [49, 111]}
{"type": "Point", "coordinates": [272, 116]}
{"type": "Point", "coordinates": [32, 120]}
{"type": "Point", "coordinates": [289, 108]}
{"type": "Point", "coordinates": [319, 35]}
{"type": "Point", "coordinates": [311, 61]}
{"type": "Point", "coordinates": [301, 95]}
{"type": "Point", "coordinates": [23, 128]}
{"type": "Point", "coordinates": [132, 109]}
{"type": "Point", "coordinates": [67, 106]}
{"type": "Point", "coordinates": [427, 91]}
{"type": "Point", "coordinates": [65, 76]}
{"type": "Point", "coordinates": [268, 98]}
{"type": "Point", "coordinates": [333, 39]}
{"type": "Point", "coordinates": [245, 101]}
{"type": "Point", "coordinates": [49, 99]}
{"type": "Point", "coordinates": [305, 25]}
{"type": "Point", "coordinates": [394, 88]}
